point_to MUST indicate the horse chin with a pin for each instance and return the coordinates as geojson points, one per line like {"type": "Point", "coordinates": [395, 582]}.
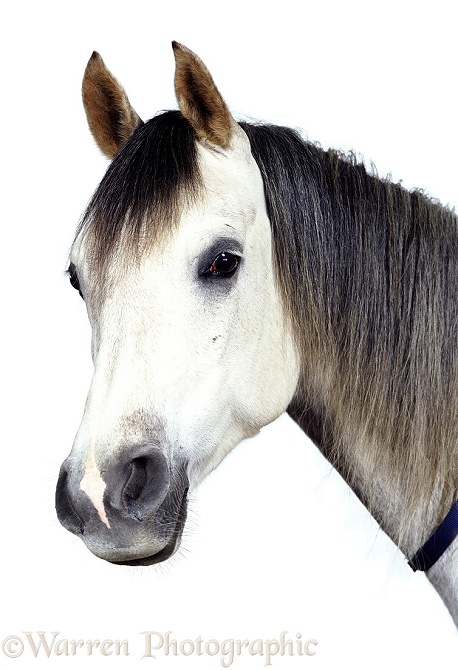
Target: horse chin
{"type": "Point", "coordinates": [161, 556]}
{"type": "Point", "coordinates": [158, 556]}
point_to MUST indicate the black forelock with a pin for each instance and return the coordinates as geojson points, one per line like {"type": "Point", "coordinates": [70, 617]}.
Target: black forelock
{"type": "Point", "coordinates": [145, 187]}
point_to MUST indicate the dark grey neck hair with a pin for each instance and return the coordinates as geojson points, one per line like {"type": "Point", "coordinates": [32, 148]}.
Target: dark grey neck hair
{"type": "Point", "coordinates": [368, 274]}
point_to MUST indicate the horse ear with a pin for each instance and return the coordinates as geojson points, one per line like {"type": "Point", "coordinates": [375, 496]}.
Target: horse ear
{"type": "Point", "coordinates": [199, 100]}
{"type": "Point", "coordinates": [110, 116]}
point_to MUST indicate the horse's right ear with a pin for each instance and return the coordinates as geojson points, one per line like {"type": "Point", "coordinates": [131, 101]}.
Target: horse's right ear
{"type": "Point", "coordinates": [110, 116]}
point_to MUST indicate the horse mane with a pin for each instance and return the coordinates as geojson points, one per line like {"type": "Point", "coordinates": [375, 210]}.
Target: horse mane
{"type": "Point", "coordinates": [368, 273]}
{"type": "Point", "coordinates": [369, 277]}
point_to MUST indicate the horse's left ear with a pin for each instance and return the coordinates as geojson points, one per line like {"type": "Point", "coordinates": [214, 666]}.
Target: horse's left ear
{"type": "Point", "coordinates": [199, 100]}
{"type": "Point", "coordinates": [110, 116]}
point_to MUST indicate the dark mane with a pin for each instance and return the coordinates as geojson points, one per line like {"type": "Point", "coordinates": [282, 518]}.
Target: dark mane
{"type": "Point", "coordinates": [369, 275]}
{"type": "Point", "coordinates": [145, 187]}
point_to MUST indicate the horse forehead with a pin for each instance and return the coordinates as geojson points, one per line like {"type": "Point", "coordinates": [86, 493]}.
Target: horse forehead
{"type": "Point", "coordinates": [234, 174]}
{"type": "Point", "coordinates": [231, 203]}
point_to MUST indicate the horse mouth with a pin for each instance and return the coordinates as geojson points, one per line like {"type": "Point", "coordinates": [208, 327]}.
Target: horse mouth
{"type": "Point", "coordinates": [171, 546]}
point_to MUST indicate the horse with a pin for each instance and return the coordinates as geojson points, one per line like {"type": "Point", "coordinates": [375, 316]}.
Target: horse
{"type": "Point", "coordinates": [233, 271]}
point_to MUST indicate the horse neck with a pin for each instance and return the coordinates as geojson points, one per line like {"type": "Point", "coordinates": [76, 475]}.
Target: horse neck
{"type": "Point", "coordinates": [384, 495]}
{"type": "Point", "coordinates": [444, 577]}
{"type": "Point", "coordinates": [369, 276]}
{"type": "Point", "coordinates": [374, 313]}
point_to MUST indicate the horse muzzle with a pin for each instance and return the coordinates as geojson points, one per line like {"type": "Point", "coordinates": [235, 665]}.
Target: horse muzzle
{"type": "Point", "coordinates": [133, 515]}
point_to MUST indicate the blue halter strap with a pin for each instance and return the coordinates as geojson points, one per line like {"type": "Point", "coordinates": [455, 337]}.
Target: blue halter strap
{"type": "Point", "coordinates": [439, 541]}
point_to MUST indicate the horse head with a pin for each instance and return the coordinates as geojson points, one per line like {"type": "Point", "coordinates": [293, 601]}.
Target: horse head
{"type": "Point", "coordinates": [191, 347]}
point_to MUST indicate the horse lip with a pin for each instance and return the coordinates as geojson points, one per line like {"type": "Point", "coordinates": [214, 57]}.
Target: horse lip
{"type": "Point", "coordinates": [169, 548]}
{"type": "Point", "coordinates": [162, 555]}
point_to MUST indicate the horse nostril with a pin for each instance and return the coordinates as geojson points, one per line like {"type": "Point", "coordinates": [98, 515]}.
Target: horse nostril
{"type": "Point", "coordinates": [137, 480]}
{"type": "Point", "coordinates": [147, 484]}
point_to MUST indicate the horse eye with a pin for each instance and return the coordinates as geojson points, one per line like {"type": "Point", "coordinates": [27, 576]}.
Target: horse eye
{"type": "Point", "coordinates": [74, 279]}
{"type": "Point", "coordinates": [224, 265]}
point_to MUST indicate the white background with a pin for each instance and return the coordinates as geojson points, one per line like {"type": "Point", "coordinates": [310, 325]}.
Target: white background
{"type": "Point", "coordinates": [275, 541]}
